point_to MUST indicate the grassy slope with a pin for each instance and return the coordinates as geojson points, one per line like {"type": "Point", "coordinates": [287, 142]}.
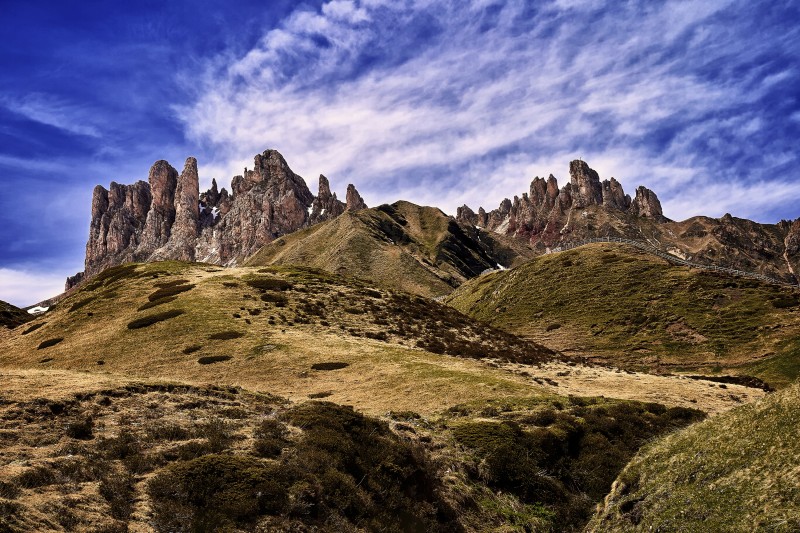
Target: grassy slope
{"type": "Point", "coordinates": [12, 316]}
{"type": "Point", "coordinates": [432, 252]}
{"type": "Point", "coordinates": [325, 319]}
{"type": "Point", "coordinates": [736, 472]}
{"type": "Point", "coordinates": [630, 308]}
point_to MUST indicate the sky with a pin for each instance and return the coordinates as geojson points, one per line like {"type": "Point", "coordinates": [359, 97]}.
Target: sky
{"type": "Point", "coordinates": [436, 102]}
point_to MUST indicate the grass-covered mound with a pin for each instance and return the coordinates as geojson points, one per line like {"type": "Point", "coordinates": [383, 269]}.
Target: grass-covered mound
{"type": "Point", "coordinates": [402, 246]}
{"type": "Point", "coordinates": [631, 308]}
{"type": "Point", "coordinates": [735, 472]}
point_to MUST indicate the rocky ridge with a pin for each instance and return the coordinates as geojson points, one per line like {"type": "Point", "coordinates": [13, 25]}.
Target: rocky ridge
{"type": "Point", "coordinates": [168, 218]}
{"type": "Point", "coordinates": [547, 217]}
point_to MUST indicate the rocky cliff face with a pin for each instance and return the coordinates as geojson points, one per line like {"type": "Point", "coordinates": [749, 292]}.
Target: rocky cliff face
{"type": "Point", "coordinates": [547, 217]}
{"type": "Point", "coordinates": [168, 218]}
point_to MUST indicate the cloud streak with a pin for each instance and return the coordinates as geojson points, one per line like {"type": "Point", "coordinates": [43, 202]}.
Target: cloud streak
{"type": "Point", "coordinates": [447, 102]}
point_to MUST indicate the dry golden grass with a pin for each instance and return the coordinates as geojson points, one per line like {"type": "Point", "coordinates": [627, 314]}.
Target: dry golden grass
{"type": "Point", "coordinates": [277, 357]}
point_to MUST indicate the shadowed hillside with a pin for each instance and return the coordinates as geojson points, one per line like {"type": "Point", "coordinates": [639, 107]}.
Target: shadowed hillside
{"type": "Point", "coordinates": [12, 316]}
{"type": "Point", "coordinates": [620, 305]}
{"type": "Point", "coordinates": [736, 472]}
{"type": "Point", "coordinates": [401, 246]}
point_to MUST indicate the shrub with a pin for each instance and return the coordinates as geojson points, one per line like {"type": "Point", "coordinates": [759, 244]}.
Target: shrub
{"type": "Point", "coordinates": [553, 327]}
{"type": "Point", "coordinates": [166, 292]}
{"type": "Point", "coordinates": [270, 438]}
{"type": "Point", "coordinates": [786, 302]}
{"type": "Point", "coordinates": [329, 366]}
{"type": "Point", "coordinates": [33, 328]}
{"type": "Point", "coordinates": [154, 319]}
{"type": "Point", "coordinates": [49, 342]}
{"type": "Point", "coordinates": [211, 359]}
{"type": "Point", "coordinates": [161, 301]}
{"type": "Point", "coordinates": [269, 284]}
{"type": "Point", "coordinates": [215, 492]}
{"type": "Point", "coordinates": [81, 429]}
{"type": "Point", "coordinates": [37, 476]}
{"type": "Point", "coordinates": [191, 349]}
{"type": "Point", "coordinates": [226, 335]}
{"type": "Point", "coordinates": [117, 489]}
{"type": "Point", "coordinates": [278, 299]}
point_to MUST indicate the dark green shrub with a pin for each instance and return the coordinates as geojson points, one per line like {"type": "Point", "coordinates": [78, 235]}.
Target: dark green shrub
{"type": "Point", "coordinates": [191, 349]}
{"type": "Point", "coordinates": [552, 327]}
{"type": "Point", "coordinates": [33, 328]}
{"type": "Point", "coordinates": [329, 366]}
{"type": "Point", "coordinates": [154, 319]}
{"type": "Point", "coordinates": [8, 491]}
{"type": "Point", "coordinates": [786, 302]}
{"type": "Point", "coordinates": [48, 343]}
{"type": "Point", "coordinates": [211, 359]}
{"type": "Point", "coordinates": [270, 438]}
{"type": "Point", "coordinates": [168, 291]}
{"type": "Point", "coordinates": [278, 299]}
{"type": "Point", "coordinates": [226, 335]}
{"type": "Point", "coordinates": [161, 301]}
{"type": "Point", "coordinates": [215, 492]}
{"type": "Point", "coordinates": [269, 284]}
{"type": "Point", "coordinates": [81, 429]}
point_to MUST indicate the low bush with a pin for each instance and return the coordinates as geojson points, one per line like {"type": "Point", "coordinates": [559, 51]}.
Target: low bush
{"type": "Point", "coordinates": [211, 359]}
{"type": "Point", "coordinates": [553, 327]}
{"type": "Point", "coordinates": [191, 349]}
{"type": "Point", "coordinates": [278, 299]}
{"type": "Point", "coordinates": [270, 438]}
{"type": "Point", "coordinates": [269, 284]}
{"type": "Point", "coordinates": [329, 366]}
{"type": "Point", "coordinates": [168, 291]}
{"type": "Point", "coordinates": [154, 319]}
{"type": "Point", "coordinates": [33, 328]}
{"type": "Point", "coordinates": [154, 303]}
{"type": "Point", "coordinates": [226, 335]}
{"type": "Point", "coordinates": [81, 429]}
{"type": "Point", "coordinates": [49, 342]}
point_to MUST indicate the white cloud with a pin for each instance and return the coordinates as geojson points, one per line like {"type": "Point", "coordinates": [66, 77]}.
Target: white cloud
{"type": "Point", "coordinates": [27, 287]}
{"type": "Point", "coordinates": [472, 113]}
{"type": "Point", "coordinates": [52, 111]}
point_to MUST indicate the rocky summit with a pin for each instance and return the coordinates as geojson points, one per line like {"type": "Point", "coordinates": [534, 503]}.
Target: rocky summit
{"type": "Point", "coordinates": [168, 217]}
{"type": "Point", "coordinates": [548, 217]}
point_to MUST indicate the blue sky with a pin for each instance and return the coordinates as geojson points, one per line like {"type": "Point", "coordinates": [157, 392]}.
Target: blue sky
{"type": "Point", "coordinates": [439, 103]}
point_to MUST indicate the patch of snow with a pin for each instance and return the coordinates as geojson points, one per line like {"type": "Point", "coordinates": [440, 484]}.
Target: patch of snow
{"type": "Point", "coordinates": [202, 209]}
{"type": "Point", "coordinates": [310, 208]}
{"type": "Point", "coordinates": [501, 229]}
{"type": "Point", "coordinates": [322, 212]}
{"type": "Point", "coordinates": [38, 310]}
{"type": "Point", "coordinates": [501, 267]}
{"type": "Point", "coordinates": [215, 212]}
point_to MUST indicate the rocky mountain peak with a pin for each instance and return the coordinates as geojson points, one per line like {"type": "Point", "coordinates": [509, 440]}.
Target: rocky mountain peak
{"type": "Point", "coordinates": [168, 218]}
{"type": "Point", "coordinates": [546, 215]}
{"type": "Point", "coordinates": [354, 200]}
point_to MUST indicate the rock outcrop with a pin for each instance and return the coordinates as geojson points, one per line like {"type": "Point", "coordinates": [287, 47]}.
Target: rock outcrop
{"type": "Point", "coordinates": [547, 216]}
{"type": "Point", "coordinates": [168, 218]}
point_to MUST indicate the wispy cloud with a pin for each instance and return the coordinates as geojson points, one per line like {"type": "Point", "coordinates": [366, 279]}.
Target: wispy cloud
{"type": "Point", "coordinates": [53, 111]}
{"type": "Point", "coordinates": [27, 287]}
{"type": "Point", "coordinates": [453, 102]}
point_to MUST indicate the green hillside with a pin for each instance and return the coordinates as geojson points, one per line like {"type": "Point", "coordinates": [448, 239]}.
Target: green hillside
{"type": "Point", "coordinates": [400, 246]}
{"type": "Point", "coordinates": [622, 306]}
{"type": "Point", "coordinates": [737, 472]}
